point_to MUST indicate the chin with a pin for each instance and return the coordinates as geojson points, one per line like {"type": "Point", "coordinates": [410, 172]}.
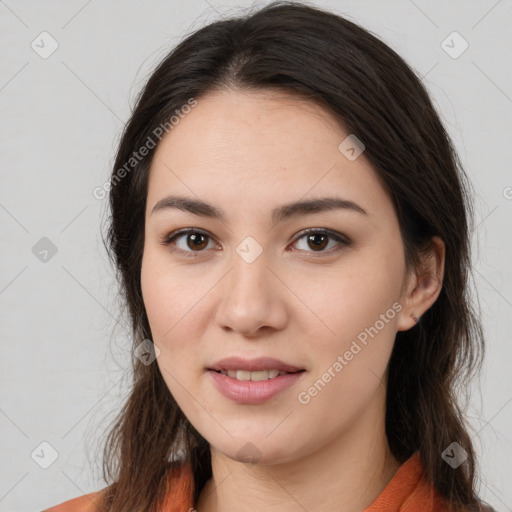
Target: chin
{"type": "Point", "coordinates": [253, 450]}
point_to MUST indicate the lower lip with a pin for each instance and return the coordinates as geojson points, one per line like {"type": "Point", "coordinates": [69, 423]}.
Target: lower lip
{"type": "Point", "coordinates": [253, 392]}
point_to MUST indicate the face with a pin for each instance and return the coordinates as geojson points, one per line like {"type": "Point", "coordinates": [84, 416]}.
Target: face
{"type": "Point", "coordinates": [240, 281]}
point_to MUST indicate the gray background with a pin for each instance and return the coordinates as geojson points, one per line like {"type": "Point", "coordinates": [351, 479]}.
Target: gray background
{"type": "Point", "coordinates": [64, 345]}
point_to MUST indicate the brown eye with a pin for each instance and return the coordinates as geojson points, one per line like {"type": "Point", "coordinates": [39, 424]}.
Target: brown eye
{"type": "Point", "coordinates": [187, 241]}
{"type": "Point", "coordinates": [318, 239]}
{"type": "Point", "coordinates": [196, 241]}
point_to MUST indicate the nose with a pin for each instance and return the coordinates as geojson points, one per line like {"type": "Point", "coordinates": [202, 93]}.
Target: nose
{"type": "Point", "coordinates": [252, 298]}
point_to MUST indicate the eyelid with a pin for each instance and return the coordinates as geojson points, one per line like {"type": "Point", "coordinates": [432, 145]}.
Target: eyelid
{"type": "Point", "coordinates": [342, 239]}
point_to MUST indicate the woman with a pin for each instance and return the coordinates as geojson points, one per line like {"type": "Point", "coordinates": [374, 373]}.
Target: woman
{"type": "Point", "coordinates": [291, 224]}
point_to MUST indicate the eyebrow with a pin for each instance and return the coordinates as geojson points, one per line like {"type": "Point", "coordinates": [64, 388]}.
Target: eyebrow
{"type": "Point", "coordinates": [279, 214]}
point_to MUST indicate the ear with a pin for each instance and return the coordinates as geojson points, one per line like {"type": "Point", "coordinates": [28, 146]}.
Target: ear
{"type": "Point", "coordinates": [423, 288]}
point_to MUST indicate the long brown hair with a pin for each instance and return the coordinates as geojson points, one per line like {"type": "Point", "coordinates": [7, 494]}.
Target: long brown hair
{"type": "Point", "coordinates": [373, 93]}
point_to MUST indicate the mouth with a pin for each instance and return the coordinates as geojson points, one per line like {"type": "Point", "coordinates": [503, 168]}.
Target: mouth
{"type": "Point", "coordinates": [254, 376]}
{"type": "Point", "coordinates": [253, 381]}
{"type": "Point", "coordinates": [255, 370]}
{"type": "Point", "coordinates": [254, 386]}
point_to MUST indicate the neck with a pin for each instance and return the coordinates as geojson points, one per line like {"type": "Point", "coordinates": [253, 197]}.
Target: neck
{"type": "Point", "coordinates": [345, 475]}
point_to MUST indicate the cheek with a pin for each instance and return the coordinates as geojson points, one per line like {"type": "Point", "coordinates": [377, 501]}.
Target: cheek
{"type": "Point", "coordinates": [166, 293]}
{"type": "Point", "coordinates": [172, 299]}
{"type": "Point", "coordinates": [353, 331]}
{"type": "Point", "coordinates": [347, 299]}
{"type": "Point", "coordinates": [166, 308]}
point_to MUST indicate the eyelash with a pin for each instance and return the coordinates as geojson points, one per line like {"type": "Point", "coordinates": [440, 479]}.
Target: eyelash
{"type": "Point", "coordinates": [338, 237]}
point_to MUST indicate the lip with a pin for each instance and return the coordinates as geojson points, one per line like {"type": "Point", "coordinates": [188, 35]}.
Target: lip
{"type": "Point", "coordinates": [253, 392]}
{"type": "Point", "coordinates": [253, 365]}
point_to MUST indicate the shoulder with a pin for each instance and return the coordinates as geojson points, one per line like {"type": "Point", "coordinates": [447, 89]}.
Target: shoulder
{"type": "Point", "coordinates": [179, 492]}
{"type": "Point", "coordinates": [86, 503]}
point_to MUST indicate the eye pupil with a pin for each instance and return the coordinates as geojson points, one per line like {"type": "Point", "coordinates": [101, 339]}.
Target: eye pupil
{"type": "Point", "coordinates": [317, 244]}
{"type": "Point", "coordinates": [197, 244]}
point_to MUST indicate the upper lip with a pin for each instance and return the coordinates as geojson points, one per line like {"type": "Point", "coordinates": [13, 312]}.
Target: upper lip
{"type": "Point", "coordinates": [253, 365]}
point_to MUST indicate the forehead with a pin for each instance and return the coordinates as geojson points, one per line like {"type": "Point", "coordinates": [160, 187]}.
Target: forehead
{"type": "Point", "coordinates": [250, 126]}
{"type": "Point", "coordinates": [264, 145]}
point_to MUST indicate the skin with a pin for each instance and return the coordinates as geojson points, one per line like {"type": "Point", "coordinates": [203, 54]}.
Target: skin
{"type": "Point", "coordinates": [246, 153]}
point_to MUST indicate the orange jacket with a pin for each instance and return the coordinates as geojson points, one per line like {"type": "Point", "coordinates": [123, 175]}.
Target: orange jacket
{"type": "Point", "coordinates": [407, 491]}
